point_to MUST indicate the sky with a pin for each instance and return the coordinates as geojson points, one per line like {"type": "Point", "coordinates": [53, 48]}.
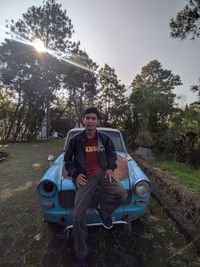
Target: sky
{"type": "Point", "coordinates": [127, 35]}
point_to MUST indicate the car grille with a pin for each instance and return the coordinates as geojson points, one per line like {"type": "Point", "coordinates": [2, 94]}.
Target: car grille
{"type": "Point", "coordinates": [66, 199]}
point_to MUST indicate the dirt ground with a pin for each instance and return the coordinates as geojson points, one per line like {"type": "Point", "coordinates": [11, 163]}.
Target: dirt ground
{"type": "Point", "coordinates": [25, 240]}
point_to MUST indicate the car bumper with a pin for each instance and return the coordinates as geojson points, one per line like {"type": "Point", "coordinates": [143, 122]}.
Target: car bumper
{"type": "Point", "coordinates": [125, 213]}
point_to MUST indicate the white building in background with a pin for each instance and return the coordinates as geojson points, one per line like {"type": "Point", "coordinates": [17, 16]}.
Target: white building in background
{"type": "Point", "coordinates": [42, 134]}
{"type": "Point", "coordinates": [60, 127]}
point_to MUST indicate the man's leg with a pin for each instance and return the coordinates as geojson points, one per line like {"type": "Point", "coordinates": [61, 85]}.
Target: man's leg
{"type": "Point", "coordinates": [111, 195]}
{"type": "Point", "coordinates": [82, 200]}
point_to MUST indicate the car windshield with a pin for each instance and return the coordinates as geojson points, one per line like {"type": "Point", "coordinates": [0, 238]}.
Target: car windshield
{"type": "Point", "coordinates": [115, 136]}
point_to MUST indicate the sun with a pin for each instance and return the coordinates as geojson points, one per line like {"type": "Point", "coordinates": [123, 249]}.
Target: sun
{"type": "Point", "coordinates": [39, 46]}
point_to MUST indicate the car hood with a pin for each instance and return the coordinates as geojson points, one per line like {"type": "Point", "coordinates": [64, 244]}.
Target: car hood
{"type": "Point", "coordinates": [128, 177]}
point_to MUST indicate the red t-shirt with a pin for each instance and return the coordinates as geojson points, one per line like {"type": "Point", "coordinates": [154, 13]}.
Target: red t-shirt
{"type": "Point", "coordinates": [93, 165]}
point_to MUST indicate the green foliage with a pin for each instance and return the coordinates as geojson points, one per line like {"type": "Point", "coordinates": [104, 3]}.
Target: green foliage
{"type": "Point", "coordinates": [49, 23]}
{"type": "Point", "coordinates": [6, 108]}
{"type": "Point", "coordinates": [80, 81]}
{"type": "Point", "coordinates": [111, 98]}
{"type": "Point", "coordinates": [152, 102]}
{"type": "Point", "coordinates": [187, 21]}
{"type": "Point", "coordinates": [36, 79]}
{"type": "Point", "coordinates": [184, 135]}
{"type": "Point", "coordinates": [31, 82]}
{"type": "Point", "coordinates": [196, 88]}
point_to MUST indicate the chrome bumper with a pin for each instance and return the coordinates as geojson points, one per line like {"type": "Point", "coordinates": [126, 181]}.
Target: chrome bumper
{"type": "Point", "coordinates": [70, 227]}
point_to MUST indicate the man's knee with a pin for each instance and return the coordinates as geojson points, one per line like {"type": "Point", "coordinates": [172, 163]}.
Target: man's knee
{"type": "Point", "coordinates": [123, 195]}
{"type": "Point", "coordinates": [120, 194]}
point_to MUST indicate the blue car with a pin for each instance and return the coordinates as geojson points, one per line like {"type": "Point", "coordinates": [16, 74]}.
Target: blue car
{"type": "Point", "coordinates": [57, 190]}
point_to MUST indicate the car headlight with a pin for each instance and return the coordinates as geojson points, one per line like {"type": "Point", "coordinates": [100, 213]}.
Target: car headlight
{"type": "Point", "coordinates": [142, 188]}
{"type": "Point", "coordinates": [47, 188]}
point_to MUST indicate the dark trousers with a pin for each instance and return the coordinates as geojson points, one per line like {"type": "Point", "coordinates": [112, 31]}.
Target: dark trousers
{"type": "Point", "coordinates": [110, 196]}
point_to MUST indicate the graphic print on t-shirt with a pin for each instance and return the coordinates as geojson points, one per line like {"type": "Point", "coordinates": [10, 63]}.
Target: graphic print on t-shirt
{"type": "Point", "coordinates": [93, 165]}
{"type": "Point", "coordinates": [89, 149]}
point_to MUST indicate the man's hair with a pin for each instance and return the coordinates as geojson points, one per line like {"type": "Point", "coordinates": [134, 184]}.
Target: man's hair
{"type": "Point", "coordinates": [92, 110]}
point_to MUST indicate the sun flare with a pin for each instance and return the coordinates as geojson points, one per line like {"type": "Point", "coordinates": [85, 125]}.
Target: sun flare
{"type": "Point", "coordinates": [39, 46]}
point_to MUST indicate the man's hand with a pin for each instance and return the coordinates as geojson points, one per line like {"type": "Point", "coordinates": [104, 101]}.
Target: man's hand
{"type": "Point", "coordinates": [110, 174]}
{"type": "Point", "coordinates": [64, 172]}
{"type": "Point", "coordinates": [80, 180]}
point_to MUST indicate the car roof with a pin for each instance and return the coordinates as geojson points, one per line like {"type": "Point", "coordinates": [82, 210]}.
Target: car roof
{"type": "Point", "coordinates": [104, 129]}
{"type": "Point", "coordinates": [98, 128]}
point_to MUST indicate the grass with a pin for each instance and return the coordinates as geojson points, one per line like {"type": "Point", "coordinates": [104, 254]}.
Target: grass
{"type": "Point", "coordinates": [151, 241]}
{"type": "Point", "coordinates": [25, 165]}
{"type": "Point", "coordinates": [184, 172]}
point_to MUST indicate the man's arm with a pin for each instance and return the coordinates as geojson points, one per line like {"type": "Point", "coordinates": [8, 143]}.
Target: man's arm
{"type": "Point", "coordinates": [70, 166]}
{"type": "Point", "coordinates": [68, 159]}
{"type": "Point", "coordinates": [111, 154]}
{"type": "Point", "coordinates": [111, 158]}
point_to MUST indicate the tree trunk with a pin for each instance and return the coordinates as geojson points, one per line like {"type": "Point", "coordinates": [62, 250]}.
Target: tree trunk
{"type": "Point", "coordinates": [19, 126]}
{"type": "Point", "coordinates": [13, 118]}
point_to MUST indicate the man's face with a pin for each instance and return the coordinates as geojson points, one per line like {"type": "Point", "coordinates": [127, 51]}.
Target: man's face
{"type": "Point", "coordinates": [90, 121]}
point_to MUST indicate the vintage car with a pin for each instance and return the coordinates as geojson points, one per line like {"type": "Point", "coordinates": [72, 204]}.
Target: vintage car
{"type": "Point", "coordinates": [56, 190]}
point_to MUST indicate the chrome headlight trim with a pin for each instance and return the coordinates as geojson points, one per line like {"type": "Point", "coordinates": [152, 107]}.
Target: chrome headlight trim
{"type": "Point", "coordinates": [42, 191]}
{"type": "Point", "coordinates": [144, 186]}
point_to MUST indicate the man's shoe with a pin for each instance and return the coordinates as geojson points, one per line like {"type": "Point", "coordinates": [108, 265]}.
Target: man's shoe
{"type": "Point", "coordinates": [106, 221]}
{"type": "Point", "coordinates": [82, 263]}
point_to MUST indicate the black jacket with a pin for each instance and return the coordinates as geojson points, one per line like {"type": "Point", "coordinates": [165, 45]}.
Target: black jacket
{"type": "Point", "coordinates": [74, 157]}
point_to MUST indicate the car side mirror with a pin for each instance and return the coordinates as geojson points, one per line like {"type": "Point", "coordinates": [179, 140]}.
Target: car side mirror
{"type": "Point", "coordinates": [50, 159]}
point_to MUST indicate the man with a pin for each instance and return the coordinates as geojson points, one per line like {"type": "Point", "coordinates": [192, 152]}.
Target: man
{"type": "Point", "coordinates": [91, 159]}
